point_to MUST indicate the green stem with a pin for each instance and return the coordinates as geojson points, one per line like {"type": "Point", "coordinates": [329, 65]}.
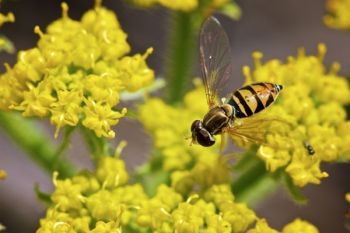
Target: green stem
{"type": "Point", "coordinates": [253, 182]}
{"type": "Point", "coordinates": [180, 55]}
{"type": "Point", "coordinates": [98, 146]}
{"type": "Point", "coordinates": [151, 174]}
{"type": "Point", "coordinates": [28, 136]}
{"type": "Point", "coordinates": [68, 130]}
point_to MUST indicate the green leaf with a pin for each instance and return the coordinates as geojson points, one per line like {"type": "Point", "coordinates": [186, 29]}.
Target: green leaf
{"type": "Point", "coordinates": [293, 190]}
{"type": "Point", "coordinates": [42, 196]}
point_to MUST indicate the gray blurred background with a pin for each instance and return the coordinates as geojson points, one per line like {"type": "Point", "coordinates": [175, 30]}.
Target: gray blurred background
{"type": "Point", "coordinates": [275, 27]}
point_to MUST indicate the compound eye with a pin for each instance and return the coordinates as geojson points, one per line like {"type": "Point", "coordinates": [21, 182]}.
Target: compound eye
{"type": "Point", "coordinates": [204, 138]}
{"type": "Point", "coordinates": [195, 125]}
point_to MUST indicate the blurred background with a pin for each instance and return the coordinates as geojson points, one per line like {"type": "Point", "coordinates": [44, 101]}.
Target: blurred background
{"type": "Point", "coordinates": [275, 27]}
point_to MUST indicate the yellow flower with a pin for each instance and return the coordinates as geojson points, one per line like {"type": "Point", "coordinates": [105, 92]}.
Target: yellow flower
{"type": "Point", "coordinates": [188, 218]}
{"type": "Point", "coordinates": [103, 206]}
{"type": "Point", "coordinates": [109, 227]}
{"type": "Point", "coordinates": [312, 105]}
{"type": "Point", "coordinates": [219, 195]}
{"type": "Point", "coordinates": [3, 174]}
{"type": "Point", "coordinates": [56, 222]}
{"type": "Point", "coordinates": [299, 226]}
{"type": "Point", "coordinates": [305, 169]}
{"type": "Point", "coordinates": [213, 214]}
{"type": "Point", "coordinates": [310, 111]}
{"type": "Point", "coordinates": [5, 44]}
{"type": "Point", "coordinates": [103, 201]}
{"type": "Point", "coordinates": [182, 5]}
{"type": "Point", "coordinates": [207, 7]}
{"type": "Point", "coordinates": [111, 172]}
{"type": "Point", "coordinates": [343, 132]}
{"type": "Point", "coordinates": [170, 129]}
{"type": "Point", "coordinates": [238, 215]}
{"type": "Point", "coordinates": [66, 110]}
{"type": "Point", "coordinates": [100, 201]}
{"type": "Point", "coordinates": [6, 18]}
{"type": "Point", "coordinates": [2, 227]}
{"type": "Point", "coordinates": [75, 73]}
{"type": "Point", "coordinates": [338, 16]}
{"type": "Point", "coordinates": [261, 226]}
{"type": "Point", "coordinates": [192, 167]}
{"type": "Point", "coordinates": [100, 117]}
{"type": "Point", "coordinates": [216, 224]}
{"type": "Point", "coordinates": [155, 213]}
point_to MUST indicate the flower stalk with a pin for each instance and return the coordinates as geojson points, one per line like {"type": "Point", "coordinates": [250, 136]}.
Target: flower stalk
{"type": "Point", "coordinates": [98, 146]}
{"type": "Point", "coordinates": [253, 182]}
{"type": "Point", "coordinates": [28, 136]}
{"type": "Point", "coordinates": [180, 55]}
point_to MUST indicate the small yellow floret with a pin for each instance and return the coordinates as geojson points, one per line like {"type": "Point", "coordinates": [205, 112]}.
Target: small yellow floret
{"type": "Point", "coordinates": [261, 226]}
{"type": "Point", "coordinates": [338, 16]}
{"type": "Point", "coordinates": [300, 226]}
{"type": "Point", "coordinates": [3, 174]}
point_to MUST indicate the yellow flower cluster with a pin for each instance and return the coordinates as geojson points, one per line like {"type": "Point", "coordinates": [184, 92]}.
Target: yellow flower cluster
{"type": "Point", "coordinates": [312, 102]}
{"type": "Point", "coordinates": [182, 5]}
{"type": "Point", "coordinates": [76, 73]}
{"type": "Point", "coordinates": [93, 202]}
{"type": "Point", "coordinates": [170, 128]}
{"type": "Point", "coordinates": [170, 132]}
{"type": "Point", "coordinates": [338, 16]}
{"type": "Point", "coordinates": [5, 44]}
{"type": "Point", "coordinates": [311, 105]}
{"type": "Point", "coordinates": [103, 201]}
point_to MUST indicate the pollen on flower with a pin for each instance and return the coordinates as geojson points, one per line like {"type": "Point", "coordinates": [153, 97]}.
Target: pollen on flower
{"type": "Point", "coordinates": [75, 73]}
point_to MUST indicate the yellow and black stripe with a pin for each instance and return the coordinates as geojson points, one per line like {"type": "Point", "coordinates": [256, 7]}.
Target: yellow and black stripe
{"type": "Point", "coordinates": [253, 98]}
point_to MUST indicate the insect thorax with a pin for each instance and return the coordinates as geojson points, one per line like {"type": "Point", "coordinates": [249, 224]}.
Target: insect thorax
{"type": "Point", "coordinates": [217, 118]}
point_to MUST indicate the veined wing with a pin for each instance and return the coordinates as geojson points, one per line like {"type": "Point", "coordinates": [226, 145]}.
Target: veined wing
{"type": "Point", "coordinates": [215, 58]}
{"type": "Point", "coordinates": [253, 130]}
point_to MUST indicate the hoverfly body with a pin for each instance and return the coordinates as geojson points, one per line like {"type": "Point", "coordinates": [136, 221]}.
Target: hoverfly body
{"type": "Point", "coordinates": [215, 57]}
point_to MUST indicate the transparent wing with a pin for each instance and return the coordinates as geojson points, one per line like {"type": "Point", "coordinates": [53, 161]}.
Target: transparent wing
{"type": "Point", "coordinates": [253, 130]}
{"type": "Point", "coordinates": [215, 58]}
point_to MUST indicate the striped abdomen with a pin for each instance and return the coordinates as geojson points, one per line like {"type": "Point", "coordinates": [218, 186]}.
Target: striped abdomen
{"type": "Point", "coordinates": [253, 98]}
